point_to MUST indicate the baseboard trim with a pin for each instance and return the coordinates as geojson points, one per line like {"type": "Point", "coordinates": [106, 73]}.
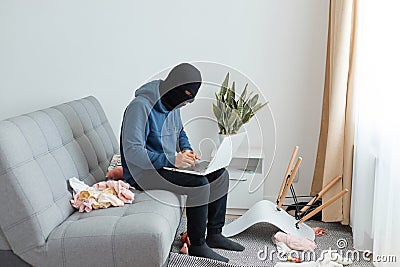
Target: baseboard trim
{"type": "Point", "coordinates": [231, 211]}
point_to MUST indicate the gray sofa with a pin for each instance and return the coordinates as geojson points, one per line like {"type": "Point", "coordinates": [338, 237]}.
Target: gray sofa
{"type": "Point", "coordinates": [39, 152]}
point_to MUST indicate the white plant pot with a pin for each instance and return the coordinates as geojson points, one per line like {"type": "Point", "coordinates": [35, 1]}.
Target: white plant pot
{"type": "Point", "coordinates": [221, 137]}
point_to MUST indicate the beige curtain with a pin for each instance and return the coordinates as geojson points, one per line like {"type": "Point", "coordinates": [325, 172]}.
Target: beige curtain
{"type": "Point", "coordinates": [335, 147]}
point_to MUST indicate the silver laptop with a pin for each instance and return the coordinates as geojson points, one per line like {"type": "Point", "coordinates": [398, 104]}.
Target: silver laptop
{"type": "Point", "coordinates": [222, 157]}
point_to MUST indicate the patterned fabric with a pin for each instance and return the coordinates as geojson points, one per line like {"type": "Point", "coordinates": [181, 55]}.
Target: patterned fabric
{"type": "Point", "coordinates": [115, 162]}
{"type": "Point", "coordinates": [101, 195]}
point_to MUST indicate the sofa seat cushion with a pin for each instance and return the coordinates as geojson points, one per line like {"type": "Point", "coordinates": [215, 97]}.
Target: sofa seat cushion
{"type": "Point", "coordinates": [122, 236]}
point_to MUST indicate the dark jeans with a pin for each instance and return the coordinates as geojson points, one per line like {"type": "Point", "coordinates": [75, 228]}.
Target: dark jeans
{"type": "Point", "coordinates": [206, 198]}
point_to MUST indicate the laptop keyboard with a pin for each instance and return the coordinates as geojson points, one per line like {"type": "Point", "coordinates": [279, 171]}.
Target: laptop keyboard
{"type": "Point", "coordinates": [200, 166]}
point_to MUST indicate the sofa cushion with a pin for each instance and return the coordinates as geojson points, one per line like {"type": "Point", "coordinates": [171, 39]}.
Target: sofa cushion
{"type": "Point", "coordinates": [39, 152]}
{"type": "Point", "coordinates": [138, 234]}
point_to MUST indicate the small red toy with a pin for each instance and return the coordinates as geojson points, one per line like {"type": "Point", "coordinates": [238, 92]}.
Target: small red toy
{"type": "Point", "coordinates": [294, 259]}
{"type": "Point", "coordinates": [186, 243]}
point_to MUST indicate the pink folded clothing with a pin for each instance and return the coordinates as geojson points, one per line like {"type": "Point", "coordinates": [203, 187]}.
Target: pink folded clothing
{"type": "Point", "coordinates": [295, 242]}
{"type": "Point", "coordinates": [83, 204]}
{"type": "Point", "coordinates": [101, 195]}
{"type": "Point", "coordinates": [120, 187]}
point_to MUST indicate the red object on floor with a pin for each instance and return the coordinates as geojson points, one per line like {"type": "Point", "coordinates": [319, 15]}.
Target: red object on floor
{"type": "Point", "coordinates": [294, 259]}
{"type": "Point", "coordinates": [186, 243]}
{"type": "Point", "coordinates": [318, 231]}
{"type": "Point", "coordinates": [184, 249]}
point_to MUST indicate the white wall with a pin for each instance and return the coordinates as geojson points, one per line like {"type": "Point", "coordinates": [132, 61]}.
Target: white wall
{"type": "Point", "coordinates": [56, 51]}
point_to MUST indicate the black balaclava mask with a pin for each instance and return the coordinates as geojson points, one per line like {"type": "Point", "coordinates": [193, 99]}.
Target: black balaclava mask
{"type": "Point", "coordinates": [181, 84]}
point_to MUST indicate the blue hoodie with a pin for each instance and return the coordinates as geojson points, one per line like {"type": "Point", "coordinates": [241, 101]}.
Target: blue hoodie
{"type": "Point", "coordinates": [150, 134]}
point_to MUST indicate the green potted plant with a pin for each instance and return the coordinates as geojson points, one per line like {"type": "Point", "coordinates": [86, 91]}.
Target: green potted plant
{"type": "Point", "coordinates": [232, 112]}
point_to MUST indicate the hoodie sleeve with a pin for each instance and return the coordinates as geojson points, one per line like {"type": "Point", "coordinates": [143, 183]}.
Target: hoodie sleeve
{"type": "Point", "coordinates": [184, 141]}
{"type": "Point", "coordinates": [134, 140]}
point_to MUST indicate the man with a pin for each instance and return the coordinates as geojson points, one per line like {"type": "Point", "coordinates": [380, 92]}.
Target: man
{"type": "Point", "coordinates": [152, 137]}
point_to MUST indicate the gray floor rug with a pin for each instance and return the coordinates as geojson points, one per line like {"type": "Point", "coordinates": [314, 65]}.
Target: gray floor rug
{"type": "Point", "coordinates": [258, 237]}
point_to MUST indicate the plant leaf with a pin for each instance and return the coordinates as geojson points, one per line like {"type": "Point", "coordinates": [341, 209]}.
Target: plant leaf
{"type": "Point", "coordinates": [232, 113]}
{"type": "Point", "coordinates": [230, 95]}
{"type": "Point", "coordinates": [246, 109]}
{"type": "Point", "coordinates": [232, 119]}
{"type": "Point", "coordinates": [246, 117]}
{"type": "Point", "coordinates": [258, 107]}
{"type": "Point", "coordinates": [253, 101]}
{"type": "Point", "coordinates": [222, 129]}
{"type": "Point", "coordinates": [224, 87]}
{"type": "Point", "coordinates": [233, 94]}
{"type": "Point", "coordinates": [217, 111]}
{"type": "Point", "coordinates": [244, 93]}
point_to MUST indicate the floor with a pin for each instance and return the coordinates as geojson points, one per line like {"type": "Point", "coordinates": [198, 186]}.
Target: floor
{"type": "Point", "coordinates": [258, 238]}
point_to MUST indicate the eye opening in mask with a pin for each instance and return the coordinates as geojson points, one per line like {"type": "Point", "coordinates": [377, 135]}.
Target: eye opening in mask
{"type": "Point", "coordinates": [188, 93]}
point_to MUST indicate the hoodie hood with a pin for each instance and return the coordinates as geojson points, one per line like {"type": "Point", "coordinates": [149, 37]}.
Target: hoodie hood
{"type": "Point", "coordinates": [181, 85]}
{"type": "Point", "coordinates": [150, 91]}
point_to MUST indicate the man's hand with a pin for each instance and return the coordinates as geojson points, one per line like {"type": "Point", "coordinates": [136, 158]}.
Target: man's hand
{"type": "Point", "coordinates": [184, 160]}
{"type": "Point", "coordinates": [191, 154]}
